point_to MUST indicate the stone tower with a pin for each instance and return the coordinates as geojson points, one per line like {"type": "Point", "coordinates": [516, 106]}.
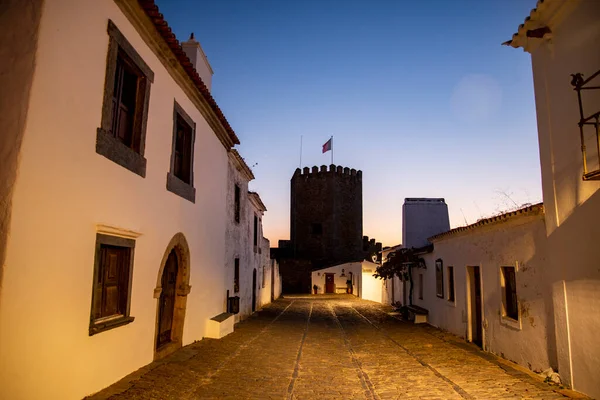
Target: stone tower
{"type": "Point", "coordinates": [326, 215]}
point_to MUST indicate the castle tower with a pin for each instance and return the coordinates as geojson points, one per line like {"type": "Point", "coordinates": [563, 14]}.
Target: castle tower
{"type": "Point", "coordinates": [326, 215]}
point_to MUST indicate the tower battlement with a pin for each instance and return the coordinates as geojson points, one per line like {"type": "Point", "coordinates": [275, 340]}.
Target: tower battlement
{"type": "Point", "coordinates": [328, 170]}
{"type": "Point", "coordinates": [326, 214]}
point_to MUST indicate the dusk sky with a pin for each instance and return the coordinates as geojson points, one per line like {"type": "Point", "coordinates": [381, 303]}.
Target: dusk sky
{"type": "Point", "coordinates": [419, 95]}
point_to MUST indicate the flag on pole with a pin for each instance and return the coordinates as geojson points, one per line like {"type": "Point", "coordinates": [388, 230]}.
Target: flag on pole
{"type": "Point", "coordinates": [328, 146]}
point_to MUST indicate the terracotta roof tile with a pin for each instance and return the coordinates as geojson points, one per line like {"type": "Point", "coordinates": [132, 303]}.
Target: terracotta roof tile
{"type": "Point", "coordinates": [522, 211]}
{"type": "Point", "coordinates": [151, 9]}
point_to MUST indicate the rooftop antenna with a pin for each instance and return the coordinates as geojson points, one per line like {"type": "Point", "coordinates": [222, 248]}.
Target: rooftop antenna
{"type": "Point", "coordinates": [463, 214]}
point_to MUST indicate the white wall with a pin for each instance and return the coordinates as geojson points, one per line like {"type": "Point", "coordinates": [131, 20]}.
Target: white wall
{"type": "Point", "coordinates": [572, 205]}
{"type": "Point", "coordinates": [64, 189]}
{"type": "Point", "coordinates": [372, 288]}
{"type": "Point", "coordinates": [423, 218]}
{"type": "Point", "coordinates": [518, 242]}
{"type": "Point", "coordinates": [318, 277]}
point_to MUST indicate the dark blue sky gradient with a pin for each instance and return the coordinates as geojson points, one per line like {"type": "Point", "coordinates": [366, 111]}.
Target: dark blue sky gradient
{"type": "Point", "coordinates": [419, 95]}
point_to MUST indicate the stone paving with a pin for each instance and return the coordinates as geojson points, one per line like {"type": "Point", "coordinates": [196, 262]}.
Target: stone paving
{"type": "Point", "coordinates": [331, 347]}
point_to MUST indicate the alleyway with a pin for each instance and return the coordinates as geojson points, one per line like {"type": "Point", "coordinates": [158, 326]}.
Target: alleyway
{"type": "Point", "coordinates": [330, 348]}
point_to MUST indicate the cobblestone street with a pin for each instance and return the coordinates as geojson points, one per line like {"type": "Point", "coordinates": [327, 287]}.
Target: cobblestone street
{"type": "Point", "coordinates": [331, 348]}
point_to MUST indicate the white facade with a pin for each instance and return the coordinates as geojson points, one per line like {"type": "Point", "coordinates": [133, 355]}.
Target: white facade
{"type": "Point", "coordinates": [423, 218]}
{"type": "Point", "coordinates": [572, 204]}
{"type": "Point", "coordinates": [246, 247]}
{"type": "Point", "coordinates": [516, 240]}
{"type": "Point", "coordinates": [66, 193]}
{"type": "Point", "coordinates": [364, 284]}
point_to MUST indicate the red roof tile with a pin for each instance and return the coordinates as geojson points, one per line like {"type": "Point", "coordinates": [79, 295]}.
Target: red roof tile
{"type": "Point", "coordinates": [164, 30]}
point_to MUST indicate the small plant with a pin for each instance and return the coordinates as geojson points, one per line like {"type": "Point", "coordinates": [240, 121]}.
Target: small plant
{"type": "Point", "coordinates": [397, 305]}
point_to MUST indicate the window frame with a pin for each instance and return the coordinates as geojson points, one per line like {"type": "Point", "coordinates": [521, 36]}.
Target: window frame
{"type": "Point", "coordinates": [236, 275]}
{"type": "Point", "coordinates": [237, 203]}
{"type": "Point", "coordinates": [107, 145]}
{"type": "Point", "coordinates": [439, 278]}
{"type": "Point", "coordinates": [174, 183]}
{"type": "Point", "coordinates": [505, 294]}
{"type": "Point", "coordinates": [255, 240]}
{"type": "Point", "coordinates": [451, 296]}
{"type": "Point", "coordinates": [98, 325]}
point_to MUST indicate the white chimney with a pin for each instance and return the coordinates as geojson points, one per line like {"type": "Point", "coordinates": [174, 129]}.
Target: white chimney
{"type": "Point", "coordinates": [194, 51]}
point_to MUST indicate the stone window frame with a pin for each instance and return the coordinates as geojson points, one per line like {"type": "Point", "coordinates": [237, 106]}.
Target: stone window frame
{"type": "Point", "coordinates": [504, 291]}
{"type": "Point", "coordinates": [450, 278]}
{"type": "Point", "coordinates": [107, 323]}
{"type": "Point", "coordinates": [439, 278]}
{"type": "Point", "coordinates": [107, 145]}
{"type": "Point", "coordinates": [174, 184]}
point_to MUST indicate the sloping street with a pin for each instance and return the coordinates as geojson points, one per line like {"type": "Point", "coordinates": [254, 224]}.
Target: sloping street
{"type": "Point", "coordinates": [331, 347]}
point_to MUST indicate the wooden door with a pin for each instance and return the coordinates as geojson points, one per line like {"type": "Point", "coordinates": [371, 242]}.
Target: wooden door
{"type": "Point", "coordinates": [167, 300]}
{"type": "Point", "coordinates": [254, 290]}
{"type": "Point", "coordinates": [329, 283]}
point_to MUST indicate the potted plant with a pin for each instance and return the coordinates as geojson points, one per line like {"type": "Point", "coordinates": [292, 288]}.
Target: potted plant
{"type": "Point", "coordinates": [315, 288]}
{"type": "Point", "coordinates": [349, 286]}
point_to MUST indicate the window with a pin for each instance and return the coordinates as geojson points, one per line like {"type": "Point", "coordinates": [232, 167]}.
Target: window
{"type": "Point", "coordinates": [236, 276]}
{"type": "Point", "coordinates": [317, 229]}
{"type": "Point", "coordinates": [111, 289]}
{"type": "Point", "coordinates": [255, 233]}
{"type": "Point", "coordinates": [509, 295]}
{"type": "Point", "coordinates": [451, 284]}
{"type": "Point", "coordinates": [264, 275]}
{"type": "Point", "coordinates": [180, 180]}
{"type": "Point", "coordinates": [122, 134]}
{"type": "Point", "coordinates": [236, 209]}
{"type": "Point", "coordinates": [420, 286]}
{"type": "Point", "coordinates": [439, 278]}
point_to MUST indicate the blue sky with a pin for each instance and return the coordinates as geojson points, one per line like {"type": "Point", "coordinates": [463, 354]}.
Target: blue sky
{"type": "Point", "coordinates": [419, 95]}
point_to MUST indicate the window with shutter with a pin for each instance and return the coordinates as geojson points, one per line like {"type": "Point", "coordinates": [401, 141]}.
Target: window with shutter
{"type": "Point", "coordinates": [509, 297]}
{"type": "Point", "coordinates": [236, 276]}
{"type": "Point", "coordinates": [237, 204]}
{"type": "Point", "coordinates": [122, 134]}
{"type": "Point", "coordinates": [180, 180]}
{"type": "Point", "coordinates": [112, 283]}
{"type": "Point", "coordinates": [451, 284]}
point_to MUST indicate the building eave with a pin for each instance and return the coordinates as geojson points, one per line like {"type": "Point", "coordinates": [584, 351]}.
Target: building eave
{"type": "Point", "coordinates": [256, 200]}
{"type": "Point", "coordinates": [544, 18]}
{"type": "Point", "coordinates": [152, 27]}
{"type": "Point", "coordinates": [240, 164]}
{"type": "Point", "coordinates": [525, 211]}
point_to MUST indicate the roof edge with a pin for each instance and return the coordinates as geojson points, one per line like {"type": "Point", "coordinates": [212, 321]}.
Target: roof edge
{"type": "Point", "coordinates": [240, 164]}
{"type": "Point", "coordinates": [528, 210]}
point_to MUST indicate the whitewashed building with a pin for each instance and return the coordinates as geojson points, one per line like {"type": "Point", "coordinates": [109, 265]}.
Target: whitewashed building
{"type": "Point", "coordinates": [562, 38]}
{"type": "Point", "coordinates": [250, 274]}
{"type": "Point", "coordinates": [114, 194]}
{"type": "Point", "coordinates": [487, 282]}
{"type": "Point", "coordinates": [354, 278]}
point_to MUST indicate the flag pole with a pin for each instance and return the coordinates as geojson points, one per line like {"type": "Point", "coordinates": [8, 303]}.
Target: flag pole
{"type": "Point", "coordinates": [300, 152]}
{"type": "Point", "coordinates": [331, 149]}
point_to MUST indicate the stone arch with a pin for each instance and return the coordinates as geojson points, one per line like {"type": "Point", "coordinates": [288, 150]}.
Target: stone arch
{"type": "Point", "coordinates": [179, 245]}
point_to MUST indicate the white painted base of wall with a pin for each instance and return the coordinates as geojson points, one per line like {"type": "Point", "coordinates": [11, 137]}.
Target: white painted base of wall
{"type": "Point", "coordinates": [219, 326]}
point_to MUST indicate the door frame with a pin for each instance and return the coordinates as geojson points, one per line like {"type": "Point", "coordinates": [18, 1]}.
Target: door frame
{"type": "Point", "coordinates": [254, 283]}
{"type": "Point", "coordinates": [332, 274]}
{"type": "Point", "coordinates": [182, 289]}
{"type": "Point", "coordinates": [472, 307]}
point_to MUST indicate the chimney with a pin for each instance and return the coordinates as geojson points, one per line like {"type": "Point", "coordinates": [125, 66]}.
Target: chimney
{"type": "Point", "coordinates": [196, 55]}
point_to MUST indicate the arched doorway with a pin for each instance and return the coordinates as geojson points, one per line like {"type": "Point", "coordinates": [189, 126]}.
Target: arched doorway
{"type": "Point", "coordinates": [254, 290]}
{"type": "Point", "coordinates": [172, 288]}
{"type": "Point", "coordinates": [166, 301]}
